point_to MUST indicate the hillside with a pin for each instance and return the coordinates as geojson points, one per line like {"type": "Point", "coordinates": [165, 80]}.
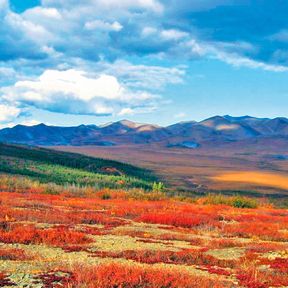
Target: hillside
{"type": "Point", "coordinates": [68, 168]}
{"type": "Point", "coordinates": [217, 129]}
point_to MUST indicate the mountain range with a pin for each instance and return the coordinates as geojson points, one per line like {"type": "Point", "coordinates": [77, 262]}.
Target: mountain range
{"type": "Point", "coordinates": [191, 134]}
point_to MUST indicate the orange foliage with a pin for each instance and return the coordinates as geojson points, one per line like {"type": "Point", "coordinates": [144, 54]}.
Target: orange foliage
{"type": "Point", "coordinates": [116, 275]}
{"type": "Point", "coordinates": [262, 230]}
{"type": "Point", "coordinates": [184, 257]}
{"type": "Point", "coordinates": [205, 226]}
{"type": "Point", "coordinates": [186, 220]}
{"type": "Point", "coordinates": [252, 277]}
{"type": "Point", "coordinates": [55, 236]}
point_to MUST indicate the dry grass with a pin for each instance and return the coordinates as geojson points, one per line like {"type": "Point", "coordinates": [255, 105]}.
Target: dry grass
{"type": "Point", "coordinates": [254, 177]}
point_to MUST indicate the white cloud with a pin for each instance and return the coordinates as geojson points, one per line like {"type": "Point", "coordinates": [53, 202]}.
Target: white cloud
{"type": "Point", "coordinates": [281, 36]}
{"type": "Point", "coordinates": [32, 30]}
{"type": "Point", "coordinates": [126, 111]}
{"type": "Point", "coordinates": [30, 122]}
{"type": "Point", "coordinates": [196, 47]}
{"type": "Point", "coordinates": [75, 92]}
{"type": "Point", "coordinates": [8, 113]}
{"type": "Point", "coordinates": [240, 61]}
{"type": "Point", "coordinates": [7, 72]}
{"type": "Point", "coordinates": [164, 34]}
{"type": "Point", "coordinates": [3, 5]}
{"type": "Point", "coordinates": [143, 76]}
{"type": "Point", "coordinates": [36, 12]}
{"type": "Point", "coordinates": [222, 51]}
{"type": "Point", "coordinates": [180, 115]}
{"type": "Point", "coordinates": [173, 34]}
{"type": "Point", "coordinates": [102, 25]}
{"type": "Point", "coordinates": [152, 5]}
{"type": "Point", "coordinates": [148, 31]}
{"type": "Point", "coordinates": [147, 4]}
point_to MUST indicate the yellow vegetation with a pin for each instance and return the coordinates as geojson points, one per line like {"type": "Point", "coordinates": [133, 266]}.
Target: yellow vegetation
{"type": "Point", "coordinates": [255, 177]}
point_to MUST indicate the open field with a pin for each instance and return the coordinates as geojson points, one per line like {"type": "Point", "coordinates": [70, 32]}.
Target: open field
{"type": "Point", "coordinates": [207, 168]}
{"type": "Point", "coordinates": [90, 241]}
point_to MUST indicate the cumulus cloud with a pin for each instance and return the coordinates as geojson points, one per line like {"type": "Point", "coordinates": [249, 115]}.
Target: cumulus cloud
{"type": "Point", "coordinates": [146, 4]}
{"type": "Point", "coordinates": [38, 13]}
{"type": "Point", "coordinates": [7, 72]}
{"type": "Point", "coordinates": [60, 39]}
{"type": "Point", "coordinates": [281, 36]}
{"type": "Point", "coordinates": [75, 92]}
{"type": "Point", "coordinates": [238, 61]}
{"type": "Point", "coordinates": [3, 5]}
{"type": "Point", "coordinates": [110, 29]}
{"type": "Point", "coordinates": [8, 113]}
{"type": "Point", "coordinates": [19, 38]}
{"type": "Point", "coordinates": [153, 5]}
{"type": "Point", "coordinates": [173, 34]}
{"type": "Point", "coordinates": [31, 30]}
{"type": "Point", "coordinates": [126, 111]}
{"type": "Point", "coordinates": [180, 115]}
{"type": "Point", "coordinates": [143, 76]}
{"type": "Point", "coordinates": [102, 25]}
{"type": "Point", "coordinates": [230, 53]}
{"type": "Point", "coordinates": [30, 122]}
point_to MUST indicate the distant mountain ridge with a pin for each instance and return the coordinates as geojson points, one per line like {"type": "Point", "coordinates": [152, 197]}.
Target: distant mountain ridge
{"type": "Point", "coordinates": [217, 129]}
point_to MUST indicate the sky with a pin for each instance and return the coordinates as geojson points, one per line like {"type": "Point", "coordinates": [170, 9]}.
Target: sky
{"type": "Point", "coordinates": [70, 62]}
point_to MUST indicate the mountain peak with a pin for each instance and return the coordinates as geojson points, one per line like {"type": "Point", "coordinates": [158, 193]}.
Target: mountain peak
{"type": "Point", "coordinates": [214, 121]}
{"type": "Point", "coordinates": [40, 125]}
{"type": "Point", "coordinates": [217, 128]}
{"type": "Point", "coordinates": [129, 123]}
{"type": "Point", "coordinates": [237, 117]}
{"type": "Point", "coordinates": [125, 123]}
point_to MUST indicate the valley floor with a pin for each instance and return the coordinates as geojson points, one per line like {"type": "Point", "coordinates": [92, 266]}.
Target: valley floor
{"type": "Point", "coordinates": [253, 167]}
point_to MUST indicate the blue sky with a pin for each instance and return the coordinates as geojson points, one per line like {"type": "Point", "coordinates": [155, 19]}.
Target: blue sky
{"type": "Point", "coordinates": [69, 62]}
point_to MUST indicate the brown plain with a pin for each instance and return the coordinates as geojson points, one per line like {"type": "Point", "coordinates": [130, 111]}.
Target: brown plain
{"type": "Point", "coordinates": [244, 165]}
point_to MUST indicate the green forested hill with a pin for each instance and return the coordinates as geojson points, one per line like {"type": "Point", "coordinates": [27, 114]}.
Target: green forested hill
{"type": "Point", "coordinates": [62, 168]}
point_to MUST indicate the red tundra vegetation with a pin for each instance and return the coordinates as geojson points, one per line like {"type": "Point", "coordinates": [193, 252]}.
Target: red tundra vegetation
{"type": "Point", "coordinates": [55, 236]}
{"type": "Point", "coordinates": [122, 240]}
{"type": "Point", "coordinates": [115, 275]}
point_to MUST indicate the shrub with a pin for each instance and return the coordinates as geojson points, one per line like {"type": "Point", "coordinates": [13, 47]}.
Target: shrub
{"type": "Point", "coordinates": [262, 230]}
{"type": "Point", "coordinates": [181, 219]}
{"type": "Point", "coordinates": [157, 187]}
{"type": "Point", "coordinates": [106, 196]}
{"type": "Point", "coordinates": [116, 275]}
{"type": "Point", "coordinates": [52, 189]}
{"type": "Point", "coordinates": [234, 201]}
{"type": "Point", "coordinates": [142, 195]}
{"type": "Point", "coordinates": [252, 277]}
{"type": "Point", "coordinates": [185, 257]}
{"type": "Point", "coordinates": [244, 202]}
{"type": "Point", "coordinates": [55, 236]}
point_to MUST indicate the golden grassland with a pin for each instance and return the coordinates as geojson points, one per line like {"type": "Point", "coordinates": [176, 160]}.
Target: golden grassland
{"type": "Point", "coordinates": [254, 177]}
